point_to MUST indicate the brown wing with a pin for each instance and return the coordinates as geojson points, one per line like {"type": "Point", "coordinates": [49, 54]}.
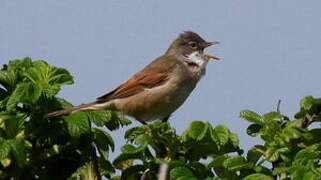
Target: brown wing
{"type": "Point", "coordinates": [154, 74]}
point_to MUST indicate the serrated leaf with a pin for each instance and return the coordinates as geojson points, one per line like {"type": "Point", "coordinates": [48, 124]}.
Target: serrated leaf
{"type": "Point", "coordinates": [128, 149]}
{"type": "Point", "coordinates": [103, 141]}
{"type": "Point", "coordinates": [18, 151]}
{"type": "Point", "coordinates": [8, 80]}
{"type": "Point", "coordinates": [218, 161]}
{"type": "Point", "coordinates": [125, 158]}
{"type": "Point", "coordinates": [306, 155]}
{"type": "Point", "coordinates": [4, 148]}
{"type": "Point", "coordinates": [86, 172]}
{"type": "Point", "coordinates": [132, 133]}
{"type": "Point", "coordinates": [50, 78]}
{"type": "Point", "coordinates": [99, 117]}
{"type": "Point", "coordinates": [63, 103]}
{"type": "Point", "coordinates": [197, 130]}
{"type": "Point", "coordinates": [19, 65]}
{"type": "Point", "coordinates": [307, 102]}
{"type": "Point", "coordinates": [220, 135]}
{"type": "Point", "coordinates": [272, 116]}
{"type": "Point", "coordinates": [105, 167]}
{"type": "Point", "coordinates": [311, 176]}
{"type": "Point", "coordinates": [234, 140]}
{"type": "Point", "coordinates": [235, 163]}
{"type": "Point", "coordinates": [104, 138]}
{"type": "Point", "coordinates": [253, 156]}
{"type": "Point", "coordinates": [24, 93]}
{"type": "Point", "coordinates": [116, 121]}
{"type": "Point", "coordinates": [14, 124]}
{"type": "Point", "coordinates": [77, 124]}
{"type": "Point", "coordinates": [292, 133]}
{"type": "Point", "coordinates": [187, 178]}
{"type": "Point", "coordinates": [251, 117]}
{"type": "Point", "coordinates": [132, 171]}
{"type": "Point", "coordinates": [280, 170]}
{"type": "Point", "coordinates": [258, 176]}
{"type": "Point", "coordinates": [273, 154]}
{"type": "Point", "coordinates": [180, 172]}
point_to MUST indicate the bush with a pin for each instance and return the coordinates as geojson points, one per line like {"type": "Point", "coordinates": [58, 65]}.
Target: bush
{"type": "Point", "coordinates": [75, 146]}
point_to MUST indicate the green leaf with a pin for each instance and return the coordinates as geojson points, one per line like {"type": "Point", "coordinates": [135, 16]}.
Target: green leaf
{"type": "Point", "coordinates": [305, 155]}
{"type": "Point", "coordinates": [272, 154]}
{"type": "Point", "coordinates": [8, 80]}
{"type": "Point", "coordinates": [307, 102]}
{"type": "Point", "coordinates": [133, 171]}
{"type": "Point", "coordinates": [121, 160]}
{"type": "Point", "coordinates": [19, 65]}
{"type": "Point", "coordinates": [272, 116]}
{"type": "Point", "coordinates": [234, 140]}
{"type": "Point", "coordinates": [77, 124]}
{"type": "Point", "coordinates": [103, 142]}
{"type": "Point", "coordinates": [220, 134]}
{"type": "Point", "coordinates": [253, 156]}
{"type": "Point", "coordinates": [105, 167]}
{"type": "Point", "coordinates": [86, 172]}
{"type": "Point", "coordinates": [251, 117]}
{"type": "Point", "coordinates": [128, 149]}
{"type": "Point", "coordinates": [132, 133]}
{"type": "Point", "coordinates": [253, 130]}
{"type": "Point", "coordinates": [292, 133]}
{"type": "Point", "coordinates": [4, 148]}
{"type": "Point", "coordinates": [180, 172]}
{"type": "Point", "coordinates": [50, 78]}
{"type": "Point", "coordinates": [99, 117]}
{"type": "Point", "coordinates": [18, 151]}
{"type": "Point", "coordinates": [218, 161]}
{"type": "Point", "coordinates": [257, 176]}
{"type": "Point", "coordinates": [14, 124]}
{"type": "Point", "coordinates": [235, 163]}
{"type": "Point", "coordinates": [280, 170]}
{"type": "Point", "coordinates": [197, 130]}
{"type": "Point", "coordinates": [311, 176]}
{"type": "Point", "coordinates": [187, 178]}
{"type": "Point", "coordinates": [24, 93]}
{"type": "Point", "coordinates": [117, 120]}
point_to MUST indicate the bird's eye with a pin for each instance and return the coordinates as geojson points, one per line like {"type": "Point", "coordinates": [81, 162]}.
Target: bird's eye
{"type": "Point", "coordinates": [192, 44]}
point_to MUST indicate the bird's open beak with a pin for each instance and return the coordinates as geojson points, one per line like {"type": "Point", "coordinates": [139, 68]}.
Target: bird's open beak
{"type": "Point", "coordinates": [207, 44]}
{"type": "Point", "coordinates": [208, 56]}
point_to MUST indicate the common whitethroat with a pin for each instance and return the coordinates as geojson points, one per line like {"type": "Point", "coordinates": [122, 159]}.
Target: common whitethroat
{"type": "Point", "coordinates": [161, 87]}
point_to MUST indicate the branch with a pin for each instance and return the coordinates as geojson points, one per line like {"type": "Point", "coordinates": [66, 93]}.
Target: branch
{"type": "Point", "coordinates": [144, 174]}
{"type": "Point", "coordinates": [163, 171]}
{"type": "Point", "coordinates": [308, 119]}
{"type": "Point", "coordinates": [278, 106]}
{"type": "Point", "coordinates": [95, 160]}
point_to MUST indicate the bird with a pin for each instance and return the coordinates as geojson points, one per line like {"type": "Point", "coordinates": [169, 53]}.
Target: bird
{"type": "Point", "coordinates": [161, 87]}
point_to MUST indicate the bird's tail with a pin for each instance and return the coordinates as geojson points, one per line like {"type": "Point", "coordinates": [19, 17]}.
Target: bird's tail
{"type": "Point", "coordinates": [83, 107]}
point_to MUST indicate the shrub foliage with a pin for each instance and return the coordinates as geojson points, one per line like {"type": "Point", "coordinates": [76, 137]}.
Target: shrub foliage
{"type": "Point", "coordinates": [77, 146]}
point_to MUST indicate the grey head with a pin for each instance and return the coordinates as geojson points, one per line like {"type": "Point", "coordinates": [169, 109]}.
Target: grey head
{"type": "Point", "coordinates": [187, 43]}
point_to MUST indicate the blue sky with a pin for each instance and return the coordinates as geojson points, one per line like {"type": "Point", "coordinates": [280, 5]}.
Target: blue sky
{"type": "Point", "coordinates": [270, 50]}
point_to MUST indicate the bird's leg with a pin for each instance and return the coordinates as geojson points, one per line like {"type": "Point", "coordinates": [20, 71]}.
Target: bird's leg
{"type": "Point", "coordinates": [165, 119]}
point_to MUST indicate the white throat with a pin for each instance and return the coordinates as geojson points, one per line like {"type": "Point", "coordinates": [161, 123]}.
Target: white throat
{"type": "Point", "coordinates": [198, 59]}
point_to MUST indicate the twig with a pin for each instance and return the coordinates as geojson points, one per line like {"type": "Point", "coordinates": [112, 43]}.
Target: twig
{"type": "Point", "coordinates": [275, 164]}
{"type": "Point", "coordinates": [163, 171]}
{"type": "Point", "coordinates": [95, 160]}
{"type": "Point", "coordinates": [143, 177]}
{"type": "Point", "coordinates": [279, 111]}
{"type": "Point", "coordinates": [308, 119]}
{"type": "Point", "coordinates": [278, 106]}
